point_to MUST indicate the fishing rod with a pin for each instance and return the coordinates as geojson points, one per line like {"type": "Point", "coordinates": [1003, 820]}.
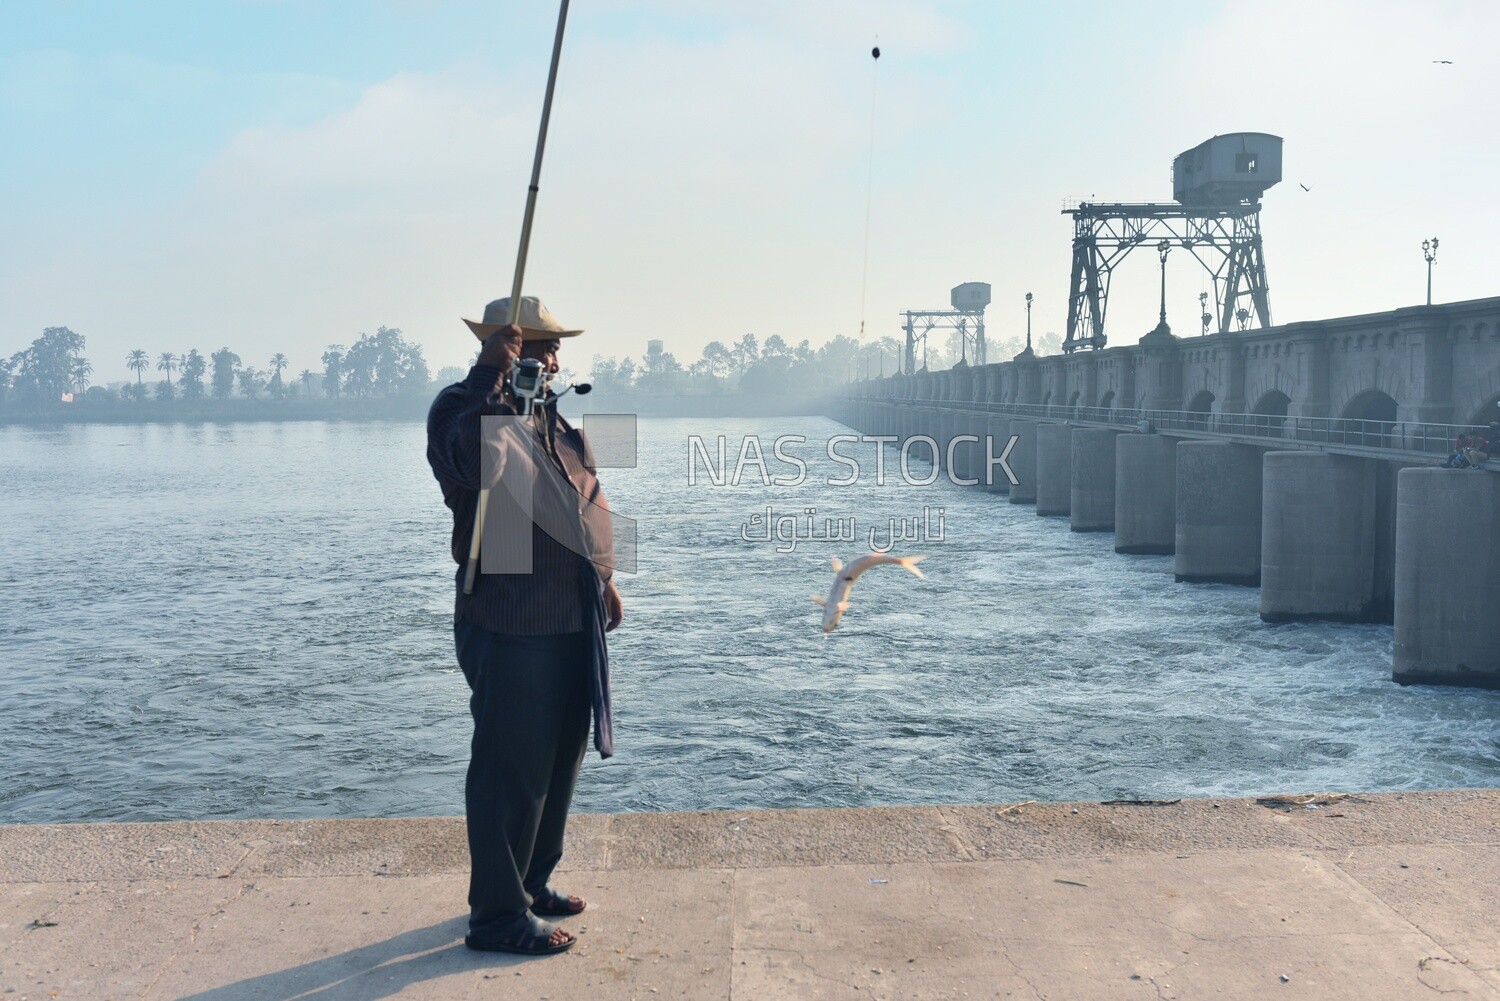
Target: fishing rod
{"type": "Point", "coordinates": [538, 381]}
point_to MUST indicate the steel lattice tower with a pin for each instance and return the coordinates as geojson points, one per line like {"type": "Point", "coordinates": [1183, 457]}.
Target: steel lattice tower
{"type": "Point", "coordinates": [1216, 217]}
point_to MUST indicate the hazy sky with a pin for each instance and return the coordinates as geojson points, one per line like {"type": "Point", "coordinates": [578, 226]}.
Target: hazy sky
{"type": "Point", "coordinates": [281, 175]}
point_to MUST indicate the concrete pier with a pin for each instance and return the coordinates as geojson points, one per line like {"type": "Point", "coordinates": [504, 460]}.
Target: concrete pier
{"type": "Point", "coordinates": [1384, 897]}
{"type": "Point", "coordinates": [1447, 578]}
{"type": "Point", "coordinates": [1054, 469]}
{"type": "Point", "coordinates": [1145, 494]}
{"type": "Point", "coordinates": [1094, 475]}
{"type": "Point", "coordinates": [1386, 474]}
{"type": "Point", "coordinates": [1023, 461]}
{"type": "Point", "coordinates": [998, 429]}
{"type": "Point", "coordinates": [882, 418]}
{"type": "Point", "coordinates": [968, 458]}
{"type": "Point", "coordinates": [929, 425]}
{"type": "Point", "coordinates": [948, 421]}
{"type": "Point", "coordinates": [1218, 512]}
{"type": "Point", "coordinates": [1318, 538]}
{"type": "Point", "coordinates": [910, 424]}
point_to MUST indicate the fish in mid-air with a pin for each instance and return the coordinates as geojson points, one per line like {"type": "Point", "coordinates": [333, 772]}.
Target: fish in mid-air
{"type": "Point", "coordinates": [844, 577]}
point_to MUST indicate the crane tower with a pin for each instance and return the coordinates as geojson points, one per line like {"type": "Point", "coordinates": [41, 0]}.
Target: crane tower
{"type": "Point", "coordinates": [1217, 187]}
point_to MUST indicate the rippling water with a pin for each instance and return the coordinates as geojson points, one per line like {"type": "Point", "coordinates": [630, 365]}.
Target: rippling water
{"type": "Point", "coordinates": [253, 620]}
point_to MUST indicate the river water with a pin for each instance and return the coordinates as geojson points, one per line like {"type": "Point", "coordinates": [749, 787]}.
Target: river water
{"type": "Point", "coordinates": [254, 620]}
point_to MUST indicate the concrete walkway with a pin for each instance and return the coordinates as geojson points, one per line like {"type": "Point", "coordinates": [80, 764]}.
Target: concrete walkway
{"type": "Point", "coordinates": [1366, 897]}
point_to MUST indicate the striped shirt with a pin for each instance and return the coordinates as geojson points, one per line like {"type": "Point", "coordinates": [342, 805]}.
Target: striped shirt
{"type": "Point", "coordinates": [548, 600]}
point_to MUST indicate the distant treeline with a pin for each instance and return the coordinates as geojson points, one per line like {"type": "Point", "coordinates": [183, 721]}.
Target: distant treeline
{"type": "Point", "coordinates": [772, 368]}
{"type": "Point", "coordinates": [54, 375]}
{"type": "Point", "coordinates": [776, 368]}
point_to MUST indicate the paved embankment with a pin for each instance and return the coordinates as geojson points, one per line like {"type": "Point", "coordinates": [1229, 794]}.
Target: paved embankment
{"type": "Point", "coordinates": [1366, 897]}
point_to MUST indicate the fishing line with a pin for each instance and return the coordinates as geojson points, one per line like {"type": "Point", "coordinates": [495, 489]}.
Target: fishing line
{"type": "Point", "coordinates": [864, 281]}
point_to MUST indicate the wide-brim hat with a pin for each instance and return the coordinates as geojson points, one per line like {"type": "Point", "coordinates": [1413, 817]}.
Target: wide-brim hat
{"type": "Point", "coordinates": [535, 320]}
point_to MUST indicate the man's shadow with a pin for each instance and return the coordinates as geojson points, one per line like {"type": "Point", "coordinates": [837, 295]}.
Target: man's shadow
{"type": "Point", "coordinates": [372, 971]}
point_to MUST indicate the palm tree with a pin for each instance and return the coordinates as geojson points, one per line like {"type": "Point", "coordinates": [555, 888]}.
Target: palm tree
{"type": "Point", "coordinates": [278, 362]}
{"type": "Point", "coordinates": [138, 361]}
{"type": "Point", "coordinates": [81, 372]}
{"type": "Point", "coordinates": [306, 378]}
{"type": "Point", "coordinates": [167, 363]}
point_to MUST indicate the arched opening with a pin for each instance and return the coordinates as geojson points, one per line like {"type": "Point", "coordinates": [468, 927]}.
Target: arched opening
{"type": "Point", "coordinates": [1371, 418]}
{"type": "Point", "coordinates": [1073, 404]}
{"type": "Point", "coordinates": [1201, 403]}
{"type": "Point", "coordinates": [1270, 411]}
{"type": "Point", "coordinates": [1107, 401]}
{"type": "Point", "coordinates": [1047, 403]}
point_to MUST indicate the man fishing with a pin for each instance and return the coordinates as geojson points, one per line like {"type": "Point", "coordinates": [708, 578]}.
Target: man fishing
{"type": "Point", "coordinates": [530, 639]}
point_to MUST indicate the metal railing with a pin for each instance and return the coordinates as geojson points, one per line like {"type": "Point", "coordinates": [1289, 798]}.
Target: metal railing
{"type": "Point", "coordinates": [1434, 439]}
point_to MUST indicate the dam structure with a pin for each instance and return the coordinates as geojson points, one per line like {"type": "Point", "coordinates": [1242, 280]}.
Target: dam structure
{"type": "Point", "coordinates": [1306, 459]}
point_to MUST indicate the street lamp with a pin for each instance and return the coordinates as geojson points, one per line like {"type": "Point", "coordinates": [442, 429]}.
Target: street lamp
{"type": "Point", "coordinates": [1429, 254]}
{"type": "Point", "coordinates": [1207, 316]}
{"type": "Point", "coordinates": [1163, 249]}
{"type": "Point", "coordinates": [1028, 321]}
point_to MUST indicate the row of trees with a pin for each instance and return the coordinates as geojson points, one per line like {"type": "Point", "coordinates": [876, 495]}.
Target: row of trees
{"type": "Point", "coordinates": [774, 368]}
{"type": "Point", "coordinates": [778, 368]}
{"type": "Point", "coordinates": [53, 371]}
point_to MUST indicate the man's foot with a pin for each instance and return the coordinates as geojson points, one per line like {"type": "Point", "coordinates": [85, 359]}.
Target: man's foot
{"type": "Point", "coordinates": [535, 938]}
{"type": "Point", "coordinates": [548, 903]}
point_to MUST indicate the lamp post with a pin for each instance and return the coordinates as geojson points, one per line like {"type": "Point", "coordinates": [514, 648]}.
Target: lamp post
{"type": "Point", "coordinates": [1429, 254]}
{"type": "Point", "coordinates": [1028, 322]}
{"type": "Point", "coordinates": [1163, 249]}
{"type": "Point", "coordinates": [1207, 316]}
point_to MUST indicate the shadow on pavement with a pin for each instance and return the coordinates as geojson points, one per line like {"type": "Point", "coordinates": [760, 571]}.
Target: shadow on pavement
{"type": "Point", "coordinates": [379, 970]}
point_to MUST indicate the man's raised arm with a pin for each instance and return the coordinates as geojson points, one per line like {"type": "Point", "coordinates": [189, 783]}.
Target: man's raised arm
{"type": "Point", "coordinates": [453, 423]}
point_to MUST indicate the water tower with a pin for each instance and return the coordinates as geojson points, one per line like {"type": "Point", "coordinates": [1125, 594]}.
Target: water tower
{"type": "Point", "coordinates": [968, 301]}
{"type": "Point", "coordinates": [1216, 217]}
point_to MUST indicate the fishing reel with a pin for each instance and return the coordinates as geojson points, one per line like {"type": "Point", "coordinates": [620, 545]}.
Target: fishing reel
{"type": "Point", "coordinates": [530, 381]}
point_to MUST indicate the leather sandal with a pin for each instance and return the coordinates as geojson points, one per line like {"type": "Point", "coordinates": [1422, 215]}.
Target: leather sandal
{"type": "Point", "coordinates": [534, 938]}
{"type": "Point", "coordinates": [548, 903]}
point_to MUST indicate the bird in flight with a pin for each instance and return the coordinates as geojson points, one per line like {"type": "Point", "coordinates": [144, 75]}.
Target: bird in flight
{"type": "Point", "coordinates": [1303, 186]}
{"type": "Point", "coordinates": [1444, 62]}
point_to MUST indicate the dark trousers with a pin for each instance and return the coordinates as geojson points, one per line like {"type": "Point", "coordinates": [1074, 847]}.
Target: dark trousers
{"type": "Point", "coordinates": [530, 703]}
